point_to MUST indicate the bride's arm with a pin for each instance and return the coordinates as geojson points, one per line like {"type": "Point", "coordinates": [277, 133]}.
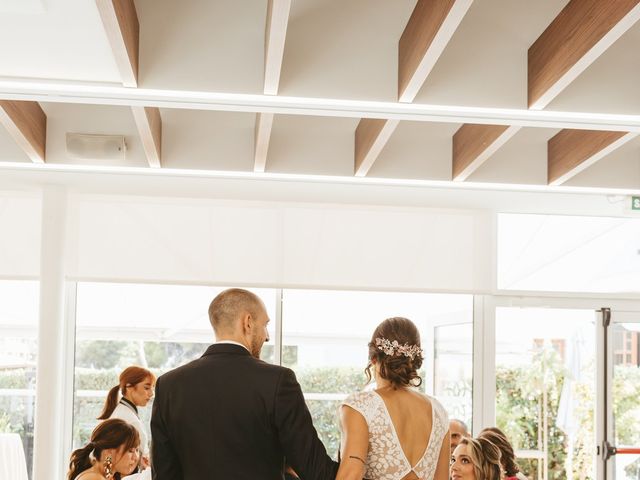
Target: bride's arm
{"type": "Point", "coordinates": [354, 444]}
{"type": "Point", "coordinates": [444, 459]}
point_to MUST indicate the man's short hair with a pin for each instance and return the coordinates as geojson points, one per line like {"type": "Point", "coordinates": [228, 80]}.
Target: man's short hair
{"type": "Point", "coordinates": [461, 423]}
{"type": "Point", "coordinates": [229, 305]}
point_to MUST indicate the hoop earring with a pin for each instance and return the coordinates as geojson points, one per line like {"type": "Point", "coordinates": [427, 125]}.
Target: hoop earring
{"type": "Point", "coordinates": [108, 465]}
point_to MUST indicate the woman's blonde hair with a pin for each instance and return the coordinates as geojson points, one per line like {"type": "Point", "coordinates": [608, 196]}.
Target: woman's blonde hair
{"type": "Point", "coordinates": [485, 457]}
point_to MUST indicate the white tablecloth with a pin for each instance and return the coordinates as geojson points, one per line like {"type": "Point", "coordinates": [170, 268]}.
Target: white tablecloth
{"type": "Point", "coordinates": [13, 465]}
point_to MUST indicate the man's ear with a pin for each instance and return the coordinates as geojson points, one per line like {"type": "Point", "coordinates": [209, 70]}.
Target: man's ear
{"type": "Point", "coordinates": [247, 323]}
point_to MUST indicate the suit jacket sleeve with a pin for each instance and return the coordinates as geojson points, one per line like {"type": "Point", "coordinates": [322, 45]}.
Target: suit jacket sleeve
{"type": "Point", "coordinates": [164, 461]}
{"type": "Point", "coordinates": [302, 448]}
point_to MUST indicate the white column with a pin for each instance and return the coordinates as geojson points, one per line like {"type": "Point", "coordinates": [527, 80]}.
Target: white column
{"type": "Point", "coordinates": [49, 414]}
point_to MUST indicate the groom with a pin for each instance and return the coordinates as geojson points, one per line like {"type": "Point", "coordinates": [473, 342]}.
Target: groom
{"type": "Point", "coordinates": [229, 415]}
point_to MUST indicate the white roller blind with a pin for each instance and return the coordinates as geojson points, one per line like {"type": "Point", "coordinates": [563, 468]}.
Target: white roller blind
{"type": "Point", "coordinates": [20, 220]}
{"type": "Point", "coordinates": [264, 243]}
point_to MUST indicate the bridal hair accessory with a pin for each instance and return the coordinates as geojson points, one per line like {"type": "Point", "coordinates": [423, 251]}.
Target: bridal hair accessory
{"type": "Point", "coordinates": [395, 349]}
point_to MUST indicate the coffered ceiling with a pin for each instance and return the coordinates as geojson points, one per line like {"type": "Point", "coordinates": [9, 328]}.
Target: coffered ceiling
{"type": "Point", "coordinates": [476, 91]}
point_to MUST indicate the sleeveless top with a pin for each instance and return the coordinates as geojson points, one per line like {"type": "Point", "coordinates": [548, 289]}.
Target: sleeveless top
{"type": "Point", "coordinates": [386, 459]}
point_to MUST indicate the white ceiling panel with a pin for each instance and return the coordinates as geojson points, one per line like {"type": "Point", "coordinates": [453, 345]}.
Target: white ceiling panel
{"type": "Point", "coordinates": [485, 63]}
{"type": "Point", "coordinates": [64, 41]}
{"type": "Point", "coordinates": [207, 140]}
{"type": "Point", "coordinates": [311, 145]}
{"type": "Point", "coordinates": [202, 45]}
{"type": "Point", "coordinates": [344, 49]}
{"type": "Point", "coordinates": [417, 150]}
{"type": "Point", "coordinates": [523, 159]}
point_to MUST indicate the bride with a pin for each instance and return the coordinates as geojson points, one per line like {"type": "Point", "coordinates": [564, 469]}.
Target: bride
{"type": "Point", "coordinates": [394, 432]}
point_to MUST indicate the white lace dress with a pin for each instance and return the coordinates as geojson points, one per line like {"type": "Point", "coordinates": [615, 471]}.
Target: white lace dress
{"type": "Point", "coordinates": [386, 459]}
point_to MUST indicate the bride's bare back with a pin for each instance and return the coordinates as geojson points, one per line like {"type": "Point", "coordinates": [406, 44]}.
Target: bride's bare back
{"type": "Point", "coordinates": [412, 418]}
{"type": "Point", "coordinates": [399, 425]}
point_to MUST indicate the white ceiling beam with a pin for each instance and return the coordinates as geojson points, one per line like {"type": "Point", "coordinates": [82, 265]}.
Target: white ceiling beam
{"type": "Point", "coordinates": [60, 92]}
{"type": "Point", "coordinates": [120, 22]}
{"type": "Point", "coordinates": [264, 123]}
{"type": "Point", "coordinates": [275, 36]}
{"type": "Point", "coordinates": [149, 126]}
{"type": "Point", "coordinates": [26, 122]}
{"type": "Point", "coordinates": [428, 31]}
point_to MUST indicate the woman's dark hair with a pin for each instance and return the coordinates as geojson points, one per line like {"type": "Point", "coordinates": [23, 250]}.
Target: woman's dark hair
{"type": "Point", "coordinates": [485, 457]}
{"type": "Point", "coordinates": [500, 440]}
{"type": "Point", "coordinates": [129, 377]}
{"type": "Point", "coordinates": [112, 433]}
{"type": "Point", "coordinates": [397, 368]}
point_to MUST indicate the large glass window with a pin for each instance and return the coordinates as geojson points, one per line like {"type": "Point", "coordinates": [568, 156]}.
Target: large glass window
{"type": "Point", "coordinates": [325, 336]}
{"type": "Point", "coordinates": [159, 327]}
{"type": "Point", "coordinates": [19, 302]}
{"type": "Point", "coordinates": [567, 253]}
{"type": "Point", "coordinates": [545, 389]}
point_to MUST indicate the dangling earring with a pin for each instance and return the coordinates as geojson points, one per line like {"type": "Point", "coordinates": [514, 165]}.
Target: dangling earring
{"type": "Point", "coordinates": [108, 465]}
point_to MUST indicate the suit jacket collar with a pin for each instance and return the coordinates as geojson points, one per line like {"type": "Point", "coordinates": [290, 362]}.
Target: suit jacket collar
{"type": "Point", "coordinates": [226, 348]}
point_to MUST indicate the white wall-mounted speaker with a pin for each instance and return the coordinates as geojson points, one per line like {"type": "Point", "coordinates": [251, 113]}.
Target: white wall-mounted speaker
{"type": "Point", "coordinates": [96, 147]}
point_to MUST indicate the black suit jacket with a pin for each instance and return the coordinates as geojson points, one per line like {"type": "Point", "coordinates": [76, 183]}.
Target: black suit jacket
{"type": "Point", "coordinates": [228, 415]}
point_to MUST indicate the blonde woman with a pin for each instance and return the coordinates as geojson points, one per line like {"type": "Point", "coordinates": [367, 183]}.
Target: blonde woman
{"type": "Point", "coordinates": [475, 459]}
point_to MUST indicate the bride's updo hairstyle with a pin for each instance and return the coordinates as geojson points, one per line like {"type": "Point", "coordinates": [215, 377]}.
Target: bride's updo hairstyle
{"type": "Point", "coordinates": [395, 348]}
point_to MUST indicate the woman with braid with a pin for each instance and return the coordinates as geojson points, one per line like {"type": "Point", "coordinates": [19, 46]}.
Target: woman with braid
{"type": "Point", "coordinates": [394, 432]}
{"type": "Point", "coordinates": [112, 452]}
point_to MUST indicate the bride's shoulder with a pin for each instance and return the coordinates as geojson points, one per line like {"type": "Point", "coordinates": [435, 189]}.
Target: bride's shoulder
{"type": "Point", "coordinates": [438, 408]}
{"type": "Point", "coordinates": [360, 400]}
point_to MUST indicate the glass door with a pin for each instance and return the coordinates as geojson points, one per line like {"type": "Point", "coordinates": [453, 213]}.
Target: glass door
{"type": "Point", "coordinates": [622, 390]}
{"type": "Point", "coordinates": [545, 361]}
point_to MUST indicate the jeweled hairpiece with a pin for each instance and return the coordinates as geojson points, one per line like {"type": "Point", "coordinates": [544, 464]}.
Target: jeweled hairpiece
{"type": "Point", "coordinates": [393, 348]}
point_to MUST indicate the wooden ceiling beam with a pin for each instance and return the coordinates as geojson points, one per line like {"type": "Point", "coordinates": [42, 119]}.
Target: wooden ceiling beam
{"type": "Point", "coordinates": [26, 122]}
{"type": "Point", "coordinates": [580, 33]}
{"type": "Point", "coordinates": [473, 144]}
{"type": "Point", "coordinates": [428, 31]}
{"type": "Point", "coordinates": [372, 135]}
{"type": "Point", "coordinates": [121, 25]}
{"type": "Point", "coordinates": [275, 36]}
{"type": "Point", "coordinates": [571, 151]}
